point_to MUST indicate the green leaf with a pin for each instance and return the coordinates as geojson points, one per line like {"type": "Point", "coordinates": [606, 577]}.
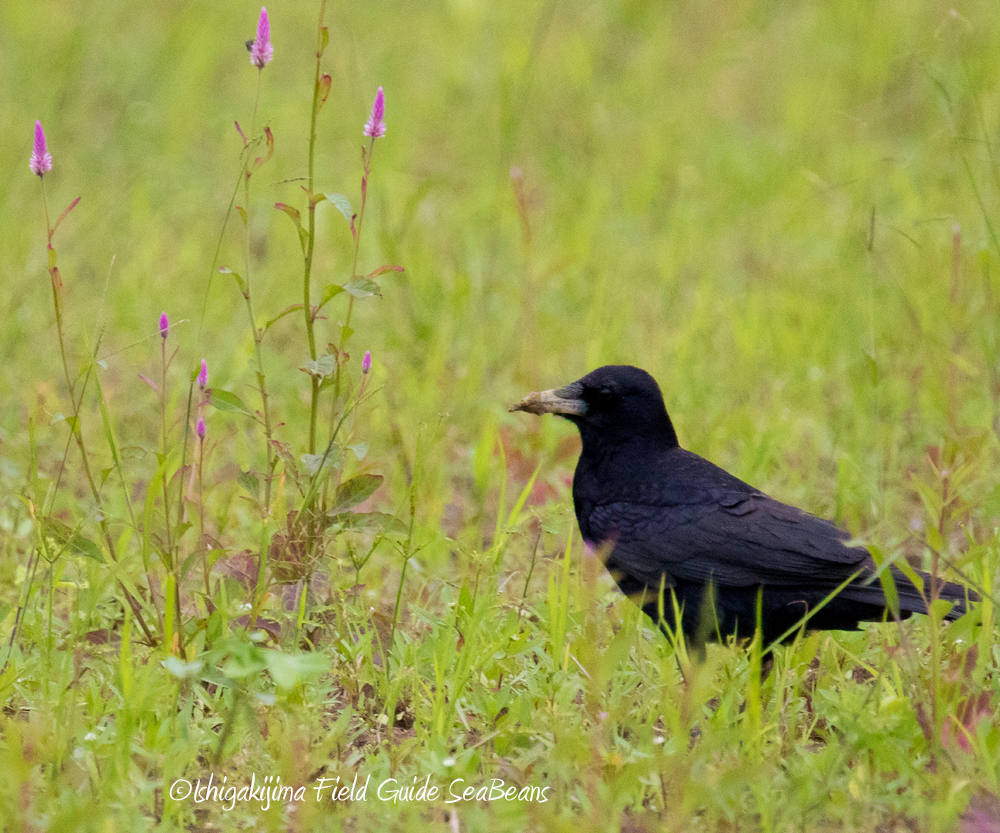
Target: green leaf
{"type": "Point", "coordinates": [284, 451]}
{"type": "Point", "coordinates": [325, 38]}
{"type": "Point", "coordinates": [244, 661]}
{"type": "Point", "coordinates": [376, 521]}
{"type": "Point", "coordinates": [311, 462]}
{"type": "Point", "coordinates": [293, 213]}
{"type": "Point", "coordinates": [322, 367]}
{"type": "Point", "coordinates": [330, 291]}
{"type": "Point", "coordinates": [223, 400]}
{"type": "Point", "coordinates": [354, 491]}
{"type": "Point", "coordinates": [363, 288]}
{"type": "Point", "coordinates": [940, 608]}
{"type": "Point", "coordinates": [342, 204]}
{"type": "Point", "coordinates": [289, 671]}
{"type": "Point", "coordinates": [80, 545]}
{"type": "Point", "coordinates": [282, 314]}
{"type": "Point", "coordinates": [888, 582]}
{"type": "Point", "coordinates": [183, 670]}
{"type": "Point", "coordinates": [225, 270]}
{"type": "Point", "coordinates": [465, 602]}
{"type": "Point", "coordinates": [250, 482]}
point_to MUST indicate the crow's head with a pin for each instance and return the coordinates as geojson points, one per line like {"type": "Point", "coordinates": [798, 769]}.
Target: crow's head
{"type": "Point", "coordinates": [615, 403]}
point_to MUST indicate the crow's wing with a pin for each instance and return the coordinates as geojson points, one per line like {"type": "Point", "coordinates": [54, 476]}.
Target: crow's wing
{"type": "Point", "coordinates": [736, 539]}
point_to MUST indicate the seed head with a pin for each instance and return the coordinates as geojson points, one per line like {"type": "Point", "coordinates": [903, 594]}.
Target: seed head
{"type": "Point", "coordinates": [164, 325]}
{"type": "Point", "coordinates": [200, 429]}
{"type": "Point", "coordinates": [375, 126]}
{"type": "Point", "coordinates": [41, 159]}
{"type": "Point", "coordinates": [203, 376]}
{"type": "Point", "coordinates": [366, 362]}
{"type": "Point", "coordinates": [262, 52]}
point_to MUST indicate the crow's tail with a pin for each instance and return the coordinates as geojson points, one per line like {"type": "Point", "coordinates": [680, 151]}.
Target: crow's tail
{"type": "Point", "coordinates": [911, 600]}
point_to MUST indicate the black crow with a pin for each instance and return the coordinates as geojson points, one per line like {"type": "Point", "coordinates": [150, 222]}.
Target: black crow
{"type": "Point", "coordinates": [667, 518]}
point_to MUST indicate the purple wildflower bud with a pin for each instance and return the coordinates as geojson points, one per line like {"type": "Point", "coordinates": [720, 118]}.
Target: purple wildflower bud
{"type": "Point", "coordinates": [262, 52]}
{"type": "Point", "coordinates": [203, 376]}
{"type": "Point", "coordinates": [375, 126]}
{"type": "Point", "coordinates": [200, 429]}
{"type": "Point", "coordinates": [366, 362]}
{"type": "Point", "coordinates": [164, 324]}
{"type": "Point", "coordinates": [41, 159]}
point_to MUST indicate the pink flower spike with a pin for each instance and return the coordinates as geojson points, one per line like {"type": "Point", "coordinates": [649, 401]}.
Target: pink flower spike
{"type": "Point", "coordinates": [200, 429]}
{"type": "Point", "coordinates": [262, 52]}
{"type": "Point", "coordinates": [366, 362]}
{"type": "Point", "coordinates": [203, 376]}
{"type": "Point", "coordinates": [375, 126]}
{"type": "Point", "coordinates": [41, 159]}
{"type": "Point", "coordinates": [164, 324]}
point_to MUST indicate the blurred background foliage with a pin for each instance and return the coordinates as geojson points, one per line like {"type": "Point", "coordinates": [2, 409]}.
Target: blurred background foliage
{"type": "Point", "coordinates": [754, 201]}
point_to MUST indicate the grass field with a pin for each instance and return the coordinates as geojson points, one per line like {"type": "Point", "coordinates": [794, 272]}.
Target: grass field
{"type": "Point", "coordinates": [787, 213]}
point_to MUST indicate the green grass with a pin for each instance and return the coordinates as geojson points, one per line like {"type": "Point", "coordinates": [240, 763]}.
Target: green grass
{"type": "Point", "coordinates": [756, 202]}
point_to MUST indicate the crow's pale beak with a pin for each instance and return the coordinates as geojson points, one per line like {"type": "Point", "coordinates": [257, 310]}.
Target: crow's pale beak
{"type": "Point", "coordinates": [565, 401]}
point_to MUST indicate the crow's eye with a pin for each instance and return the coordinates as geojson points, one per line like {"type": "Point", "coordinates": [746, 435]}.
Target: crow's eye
{"type": "Point", "coordinates": [605, 395]}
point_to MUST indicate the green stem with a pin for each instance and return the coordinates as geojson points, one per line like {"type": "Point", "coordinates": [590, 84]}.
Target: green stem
{"type": "Point", "coordinates": [201, 515]}
{"type": "Point", "coordinates": [163, 420]}
{"type": "Point", "coordinates": [257, 335]}
{"type": "Point", "coordinates": [366, 161]}
{"type": "Point", "coordinates": [77, 431]}
{"type": "Point", "coordinates": [311, 239]}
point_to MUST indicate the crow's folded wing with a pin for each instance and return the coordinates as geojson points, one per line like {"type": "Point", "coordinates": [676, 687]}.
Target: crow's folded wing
{"type": "Point", "coordinates": [736, 539]}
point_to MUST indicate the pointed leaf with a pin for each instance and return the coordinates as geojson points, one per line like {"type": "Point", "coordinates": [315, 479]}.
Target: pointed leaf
{"type": "Point", "coordinates": [223, 400]}
{"type": "Point", "coordinates": [63, 216]}
{"type": "Point", "coordinates": [321, 368]}
{"type": "Point", "coordinates": [282, 314]}
{"type": "Point", "coordinates": [375, 521]}
{"type": "Point", "coordinates": [249, 481]}
{"type": "Point", "coordinates": [225, 270]}
{"type": "Point", "coordinates": [292, 212]}
{"type": "Point", "coordinates": [80, 545]}
{"type": "Point", "coordinates": [331, 291]}
{"type": "Point", "coordinates": [354, 491]}
{"type": "Point", "coordinates": [382, 270]}
{"type": "Point", "coordinates": [363, 288]}
{"type": "Point", "coordinates": [311, 462]}
{"type": "Point", "coordinates": [342, 204]}
{"type": "Point", "coordinates": [149, 382]}
{"type": "Point", "coordinates": [284, 451]}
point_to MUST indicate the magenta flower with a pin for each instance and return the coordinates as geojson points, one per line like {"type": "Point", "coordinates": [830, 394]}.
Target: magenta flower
{"type": "Point", "coordinates": [200, 429]}
{"type": "Point", "coordinates": [203, 376]}
{"type": "Point", "coordinates": [262, 52]}
{"type": "Point", "coordinates": [375, 126]}
{"type": "Point", "coordinates": [164, 324]}
{"type": "Point", "coordinates": [366, 362]}
{"type": "Point", "coordinates": [41, 159]}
